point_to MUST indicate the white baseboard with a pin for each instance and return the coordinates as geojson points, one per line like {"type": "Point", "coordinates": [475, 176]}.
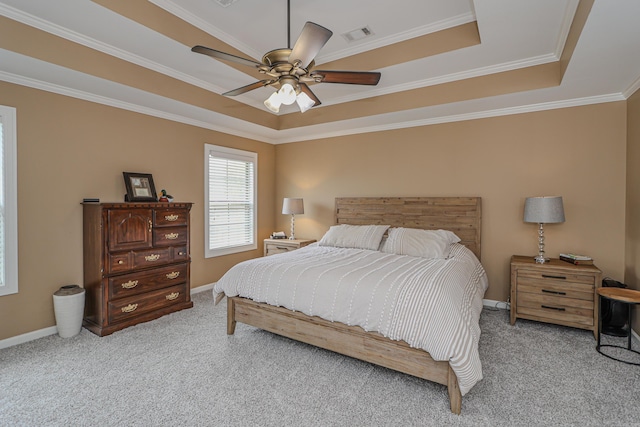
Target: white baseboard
{"type": "Point", "coordinates": [202, 288]}
{"type": "Point", "coordinates": [496, 304]}
{"type": "Point", "coordinates": [52, 330]}
{"type": "Point", "coordinates": [41, 333]}
{"type": "Point", "coordinates": [29, 336]}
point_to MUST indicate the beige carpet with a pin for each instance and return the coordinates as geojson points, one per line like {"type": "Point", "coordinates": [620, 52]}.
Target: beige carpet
{"type": "Point", "coordinates": [184, 370]}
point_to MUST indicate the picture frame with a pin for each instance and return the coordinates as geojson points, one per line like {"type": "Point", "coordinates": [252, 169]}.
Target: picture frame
{"type": "Point", "coordinates": [140, 187]}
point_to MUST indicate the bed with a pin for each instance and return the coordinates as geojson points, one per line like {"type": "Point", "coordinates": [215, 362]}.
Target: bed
{"type": "Point", "coordinates": [351, 334]}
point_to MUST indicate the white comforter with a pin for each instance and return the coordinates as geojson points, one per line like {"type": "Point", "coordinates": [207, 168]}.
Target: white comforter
{"type": "Point", "coordinates": [432, 304]}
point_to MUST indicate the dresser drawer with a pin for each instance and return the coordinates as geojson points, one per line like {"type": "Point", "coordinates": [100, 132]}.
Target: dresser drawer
{"type": "Point", "coordinates": [151, 257]}
{"type": "Point", "coordinates": [125, 308]}
{"type": "Point", "coordinates": [170, 236]}
{"type": "Point", "coordinates": [171, 217]}
{"type": "Point", "coordinates": [136, 283]}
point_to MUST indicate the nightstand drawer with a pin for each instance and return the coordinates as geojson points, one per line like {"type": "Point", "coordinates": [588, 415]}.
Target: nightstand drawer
{"type": "Point", "coordinates": [554, 288]}
{"type": "Point", "coordinates": [556, 277]}
{"type": "Point", "coordinates": [556, 309]}
{"type": "Point", "coordinates": [280, 246]}
{"type": "Point", "coordinates": [272, 249]}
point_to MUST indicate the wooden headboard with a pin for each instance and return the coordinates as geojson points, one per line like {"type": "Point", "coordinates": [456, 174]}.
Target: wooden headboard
{"type": "Point", "coordinates": [462, 215]}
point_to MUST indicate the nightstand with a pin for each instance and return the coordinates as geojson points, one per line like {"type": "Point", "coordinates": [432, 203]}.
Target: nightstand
{"type": "Point", "coordinates": [278, 246]}
{"type": "Point", "coordinates": [555, 292]}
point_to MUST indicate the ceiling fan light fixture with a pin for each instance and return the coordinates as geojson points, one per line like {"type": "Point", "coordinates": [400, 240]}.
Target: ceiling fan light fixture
{"type": "Point", "coordinates": [287, 94]}
{"type": "Point", "coordinates": [273, 102]}
{"type": "Point", "coordinates": [304, 102]}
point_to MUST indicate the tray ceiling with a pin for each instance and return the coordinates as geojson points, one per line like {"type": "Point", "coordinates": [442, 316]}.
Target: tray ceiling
{"type": "Point", "coordinates": [441, 60]}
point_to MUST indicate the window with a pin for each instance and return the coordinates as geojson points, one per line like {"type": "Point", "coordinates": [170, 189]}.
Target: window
{"type": "Point", "coordinates": [230, 200]}
{"type": "Point", "coordinates": [8, 202]}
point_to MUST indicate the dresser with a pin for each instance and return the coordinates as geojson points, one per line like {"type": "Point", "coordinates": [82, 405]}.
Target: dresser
{"type": "Point", "coordinates": [136, 263]}
{"type": "Point", "coordinates": [555, 292]}
{"type": "Point", "coordinates": [278, 246]}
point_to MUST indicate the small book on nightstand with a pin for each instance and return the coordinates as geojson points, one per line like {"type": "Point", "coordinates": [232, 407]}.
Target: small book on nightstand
{"type": "Point", "coordinates": [576, 259]}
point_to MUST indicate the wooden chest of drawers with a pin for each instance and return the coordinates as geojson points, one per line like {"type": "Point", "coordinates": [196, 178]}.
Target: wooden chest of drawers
{"type": "Point", "coordinates": [278, 246]}
{"type": "Point", "coordinates": [555, 292]}
{"type": "Point", "coordinates": [136, 263]}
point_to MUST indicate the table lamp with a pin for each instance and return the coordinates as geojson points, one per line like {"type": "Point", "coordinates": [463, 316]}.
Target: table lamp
{"type": "Point", "coordinates": [292, 206]}
{"type": "Point", "coordinates": [543, 210]}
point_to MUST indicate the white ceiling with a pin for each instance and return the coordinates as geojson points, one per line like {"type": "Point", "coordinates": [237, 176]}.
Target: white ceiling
{"type": "Point", "coordinates": [605, 65]}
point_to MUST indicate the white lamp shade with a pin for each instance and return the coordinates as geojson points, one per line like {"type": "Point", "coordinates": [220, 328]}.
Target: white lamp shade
{"type": "Point", "coordinates": [544, 210]}
{"type": "Point", "coordinates": [304, 102]}
{"type": "Point", "coordinates": [273, 102]}
{"type": "Point", "coordinates": [287, 94]}
{"type": "Point", "coordinates": [292, 206]}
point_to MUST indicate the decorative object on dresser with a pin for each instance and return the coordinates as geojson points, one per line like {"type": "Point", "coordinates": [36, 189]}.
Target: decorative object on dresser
{"type": "Point", "coordinates": [136, 263]}
{"type": "Point", "coordinates": [555, 292]}
{"type": "Point", "coordinates": [140, 187]}
{"type": "Point", "coordinates": [292, 206]}
{"type": "Point", "coordinates": [543, 210]}
{"type": "Point", "coordinates": [278, 246]}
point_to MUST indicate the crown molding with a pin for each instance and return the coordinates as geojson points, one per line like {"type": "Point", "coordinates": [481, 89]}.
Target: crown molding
{"type": "Point", "coordinates": [631, 89]}
{"type": "Point", "coordinates": [99, 99]}
{"type": "Point", "coordinates": [57, 30]}
{"type": "Point", "coordinates": [448, 78]}
{"type": "Point", "coordinates": [543, 106]}
{"type": "Point", "coordinates": [565, 28]}
{"type": "Point", "coordinates": [304, 134]}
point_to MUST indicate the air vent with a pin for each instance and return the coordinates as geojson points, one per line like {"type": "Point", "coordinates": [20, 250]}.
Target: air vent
{"type": "Point", "coordinates": [358, 34]}
{"type": "Point", "coordinates": [225, 3]}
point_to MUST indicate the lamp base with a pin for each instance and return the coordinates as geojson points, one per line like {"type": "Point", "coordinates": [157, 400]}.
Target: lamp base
{"type": "Point", "coordinates": [540, 259]}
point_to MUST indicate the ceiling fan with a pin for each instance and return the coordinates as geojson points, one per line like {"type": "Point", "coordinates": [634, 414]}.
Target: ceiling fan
{"type": "Point", "coordinates": [291, 69]}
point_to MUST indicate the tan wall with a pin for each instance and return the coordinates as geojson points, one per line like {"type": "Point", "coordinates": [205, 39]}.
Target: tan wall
{"type": "Point", "coordinates": [577, 153]}
{"type": "Point", "coordinates": [69, 149]}
{"type": "Point", "coordinates": [632, 259]}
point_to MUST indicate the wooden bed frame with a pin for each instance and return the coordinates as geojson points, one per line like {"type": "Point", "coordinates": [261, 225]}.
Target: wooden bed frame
{"type": "Point", "coordinates": [461, 215]}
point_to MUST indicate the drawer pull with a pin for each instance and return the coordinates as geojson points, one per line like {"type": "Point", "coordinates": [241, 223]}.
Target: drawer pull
{"type": "Point", "coordinates": [121, 262]}
{"type": "Point", "coordinates": [173, 275]}
{"type": "Point", "coordinates": [282, 248]}
{"type": "Point", "coordinates": [182, 253]}
{"type": "Point", "coordinates": [129, 308]}
{"type": "Point", "coordinates": [172, 236]}
{"type": "Point", "coordinates": [547, 276]}
{"type": "Point", "coordinates": [152, 257]}
{"type": "Point", "coordinates": [173, 296]}
{"type": "Point", "coordinates": [554, 292]}
{"type": "Point", "coordinates": [130, 284]}
{"type": "Point", "coordinates": [173, 217]}
{"type": "Point", "coordinates": [553, 308]}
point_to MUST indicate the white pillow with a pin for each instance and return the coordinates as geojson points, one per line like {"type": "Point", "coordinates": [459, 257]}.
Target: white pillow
{"type": "Point", "coordinates": [419, 243]}
{"type": "Point", "coordinates": [354, 236]}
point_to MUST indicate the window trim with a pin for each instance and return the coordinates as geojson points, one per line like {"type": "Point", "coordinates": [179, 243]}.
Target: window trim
{"type": "Point", "coordinates": [10, 171]}
{"type": "Point", "coordinates": [229, 153]}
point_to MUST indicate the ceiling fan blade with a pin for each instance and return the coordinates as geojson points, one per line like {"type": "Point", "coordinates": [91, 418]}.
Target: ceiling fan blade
{"type": "Point", "coordinates": [226, 56]}
{"type": "Point", "coordinates": [348, 77]}
{"type": "Point", "coordinates": [247, 88]}
{"type": "Point", "coordinates": [311, 40]}
{"type": "Point", "coordinates": [305, 88]}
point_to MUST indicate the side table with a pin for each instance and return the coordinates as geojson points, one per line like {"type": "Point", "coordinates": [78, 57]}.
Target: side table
{"type": "Point", "coordinates": [626, 296]}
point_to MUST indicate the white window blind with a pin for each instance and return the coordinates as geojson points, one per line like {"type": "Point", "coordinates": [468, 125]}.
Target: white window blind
{"type": "Point", "coordinates": [230, 189]}
{"type": "Point", "coordinates": [8, 202]}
